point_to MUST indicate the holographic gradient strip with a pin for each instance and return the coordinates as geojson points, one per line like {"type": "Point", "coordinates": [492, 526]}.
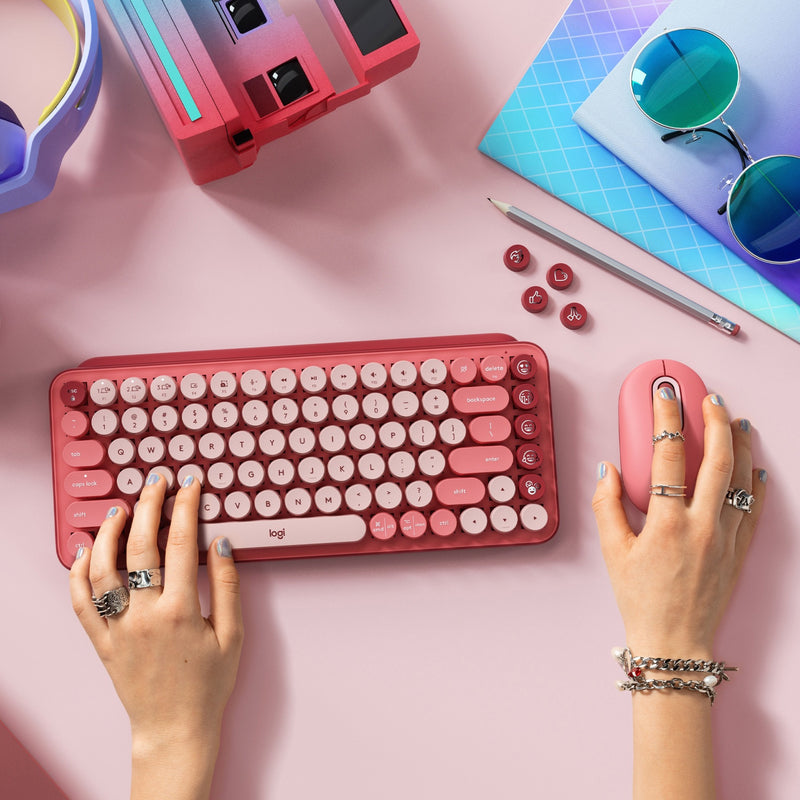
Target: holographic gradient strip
{"type": "Point", "coordinates": [167, 61]}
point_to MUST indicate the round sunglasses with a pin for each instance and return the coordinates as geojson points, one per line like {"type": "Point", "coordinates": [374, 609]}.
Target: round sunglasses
{"type": "Point", "coordinates": [685, 79]}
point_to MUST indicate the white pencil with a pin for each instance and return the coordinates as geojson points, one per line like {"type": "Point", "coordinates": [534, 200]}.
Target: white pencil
{"type": "Point", "coordinates": [617, 268]}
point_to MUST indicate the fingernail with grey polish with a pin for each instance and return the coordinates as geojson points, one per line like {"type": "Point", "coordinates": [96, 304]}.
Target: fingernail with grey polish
{"type": "Point", "coordinates": [112, 512]}
{"type": "Point", "coordinates": [762, 475]}
{"type": "Point", "coordinates": [152, 478]}
{"type": "Point", "coordinates": [188, 481]}
{"type": "Point", "coordinates": [224, 548]}
{"type": "Point", "coordinates": [602, 469]}
{"type": "Point", "coordinates": [717, 400]}
{"type": "Point", "coordinates": [744, 425]}
{"type": "Point", "coordinates": [667, 393]}
{"type": "Point", "coordinates": [79, 554]}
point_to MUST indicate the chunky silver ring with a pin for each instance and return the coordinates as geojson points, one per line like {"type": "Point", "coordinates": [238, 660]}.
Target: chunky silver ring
{"type": "Point", "coordinates": [112, 602]}
{"type": "Point", "coordinates": [144, 578]}
{"type": "Point", "coordinates": [668, 435]}
{"type": "Point", "coordinates": [667, 490]}
{"type": "Point", "coordinates": [740, 499]}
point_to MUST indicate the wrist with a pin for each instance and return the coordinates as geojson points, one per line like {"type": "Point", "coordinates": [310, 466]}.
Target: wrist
{"type": "Point", "coordinates": [176, 758]}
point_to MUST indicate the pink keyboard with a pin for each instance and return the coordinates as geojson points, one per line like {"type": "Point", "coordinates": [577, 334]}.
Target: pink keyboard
{"type": "Point", "coordinates": [366, 447]}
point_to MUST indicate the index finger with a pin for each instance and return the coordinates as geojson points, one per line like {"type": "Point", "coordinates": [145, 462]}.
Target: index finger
{"type": "Point", "coordinates": [668, 469]}
{"type": "Point", "coordinates": [181, 558]}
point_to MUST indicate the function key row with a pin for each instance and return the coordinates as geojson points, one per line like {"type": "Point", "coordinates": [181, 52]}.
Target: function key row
{"type": "Point", "coordinates": [282, 381]}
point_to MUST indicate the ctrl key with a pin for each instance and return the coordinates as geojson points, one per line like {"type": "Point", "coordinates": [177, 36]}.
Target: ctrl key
{"type": "Point", "coordinates": [75, 542]}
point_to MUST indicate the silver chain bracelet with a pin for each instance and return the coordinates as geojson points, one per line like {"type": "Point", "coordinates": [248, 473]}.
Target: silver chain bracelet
{"type": "Point", "coordinates": [635, 666]}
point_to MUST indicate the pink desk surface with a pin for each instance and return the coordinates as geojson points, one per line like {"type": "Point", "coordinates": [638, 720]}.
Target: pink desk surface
{"type": "Point", "coordinates": [466, 674]}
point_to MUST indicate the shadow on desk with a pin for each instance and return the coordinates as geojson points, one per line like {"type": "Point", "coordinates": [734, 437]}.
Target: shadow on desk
{"type": "Point", "coordinates": [254, 719]}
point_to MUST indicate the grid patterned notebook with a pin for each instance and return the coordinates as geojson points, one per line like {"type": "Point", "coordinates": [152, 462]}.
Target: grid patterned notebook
{"type": "Point", "coordinates": [535, 135]}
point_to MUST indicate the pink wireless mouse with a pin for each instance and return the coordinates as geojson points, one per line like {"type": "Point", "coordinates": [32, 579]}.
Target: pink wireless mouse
{"type": "Point", "coordinates": [636, 423]}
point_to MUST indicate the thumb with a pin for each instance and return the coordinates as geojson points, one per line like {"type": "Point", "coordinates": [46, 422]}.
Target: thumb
{"type": "Point", "coordinates": [612, 522]}
{"type": "Point", "coordinates": [226, 602]}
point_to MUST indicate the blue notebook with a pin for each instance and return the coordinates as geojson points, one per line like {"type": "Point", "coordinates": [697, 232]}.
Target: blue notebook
{"type": "Point", "coordinates": [536, 136]}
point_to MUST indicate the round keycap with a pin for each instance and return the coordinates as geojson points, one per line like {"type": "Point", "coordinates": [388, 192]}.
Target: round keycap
{"type": "Point", "coordinates": [523, 367]}
{"type": "Point", "coordinates": [74, 423]}
{"type": "Point", "coordinates": [72, 393]}
{"type": "Point", "coordinates": [534, 299]}
{"type": "Point", "coordinates": [574, 316]}
{"type": "Point", "coordinates": [531, 487]}
{"type": "Point", "coordinates": [413, 524]}
{"type": "Point", "coordinates": [560, 276]}
{"type": "Point", "coordinates": [529, 456]}
{"type": "Point", "coordinates": [526, 426]}
{"type": "Point", "coordinates": [443, 522]}
{"type": "Point", "coordinates": [517, 257]}
{"type": "Point", "coordinates": [493, 368]}
{"type": "Point", "coordinates": [382, 526]}
{"type": "Point", "coordinates": [463, 370]}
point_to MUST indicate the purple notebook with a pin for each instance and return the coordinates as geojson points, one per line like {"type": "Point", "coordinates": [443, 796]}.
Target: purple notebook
{"type": "Point", "coordinates": [765, 44]}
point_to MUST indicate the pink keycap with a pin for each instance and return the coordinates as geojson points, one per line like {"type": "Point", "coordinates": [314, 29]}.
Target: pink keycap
{"type": "Point", "coordinates": [493, 368]}
{"type": "Point", "coordinates": [383, 526]}
{"type": "Point", "coordinates": [74, 423]}
{"type": "Point", "coordinates": [443, 522]}
{"type": "Point", "coordinates": [460, 491]}
{"type": "Point", "coordinates": [413, 524]}
{"type": "Point", "coordinates": [463, 370]}
{"type": "Point", "coordinates": [88, 483]}
{"type": "Point", "coordinates": [480, 399]}
{"type": "Point", "coordinates": [480, 460]}
{"type": "Point", "coordinates": [485, 430]}
{"type": "Point", "coordinates": [83, 453]}
{"type": "Point", "coordinates": [85, 514]}
{"type": "Point", "coordinates": [77, 540]}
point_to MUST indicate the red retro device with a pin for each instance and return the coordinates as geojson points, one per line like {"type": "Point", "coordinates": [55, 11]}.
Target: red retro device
{"type": "Point", "coordinates": [228, 76]}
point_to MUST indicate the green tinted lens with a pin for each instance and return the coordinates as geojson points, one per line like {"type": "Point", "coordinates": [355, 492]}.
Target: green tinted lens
{"type": "Point", "coordinates": [764, 209]}
{"type": "Point", "coordinates": [684, 79]}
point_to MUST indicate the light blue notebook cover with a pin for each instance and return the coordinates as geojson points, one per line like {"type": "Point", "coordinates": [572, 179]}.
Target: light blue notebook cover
{"type": "Point", "coordinates": [535, 135]}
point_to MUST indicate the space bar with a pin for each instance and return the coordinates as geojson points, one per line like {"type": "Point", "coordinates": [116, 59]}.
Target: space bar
{"type": "Point", "coordinates": [287, 532]}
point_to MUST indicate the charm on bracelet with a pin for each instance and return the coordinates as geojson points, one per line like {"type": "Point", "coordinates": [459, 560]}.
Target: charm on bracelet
{"type": "Point", "coordinates": [635, 666]}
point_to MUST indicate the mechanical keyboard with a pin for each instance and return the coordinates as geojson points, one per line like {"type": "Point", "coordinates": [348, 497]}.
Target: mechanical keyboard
{"type": "Point", "coordinates": [334, 449]}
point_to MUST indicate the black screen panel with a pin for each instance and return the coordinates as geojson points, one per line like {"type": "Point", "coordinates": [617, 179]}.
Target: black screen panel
{"type": "Point", "coordinates": [373, 23]}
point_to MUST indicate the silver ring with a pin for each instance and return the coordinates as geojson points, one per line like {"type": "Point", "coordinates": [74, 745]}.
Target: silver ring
{"type": "Point", "coordinates": [740, 499]}
{"type": "Point", "coordinates": [144, 578]}
{"type": "Point", "coordinates": [667, 490]}
{"type": "Point", "coordinates": [668, 435]}
{"type": "Point", "coordinates": [112, 602]}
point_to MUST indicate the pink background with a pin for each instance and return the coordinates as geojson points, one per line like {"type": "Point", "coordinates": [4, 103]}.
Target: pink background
{"type": "Point", "coordinates": [465, 674]}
